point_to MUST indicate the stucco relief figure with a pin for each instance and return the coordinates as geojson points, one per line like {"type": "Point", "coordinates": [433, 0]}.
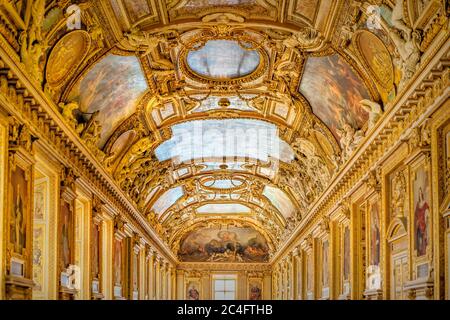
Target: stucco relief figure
{"type": "Point", "coordinates": [148, 44]}
{"type": "Point", "coordinates": [67, 110]}
{"type": "Point", "coordinates": [398, 196]}
{"type": "Point", "coordinates": [409, 53]}
{"type": "Point", "coordinates": [375, 111]}
{"type": "Point", "coordinates": [350, 139]}
{"type": "Point", "coordinates": [407, 42]}
{"type": "Point", "coordinates": [398, 19]}
{"type": "Point", "coordinates": [306, 37]}
{"type": "Point", "coordinates": [421, 214]}
{"type": "Point", "coordinates": [142, 41]}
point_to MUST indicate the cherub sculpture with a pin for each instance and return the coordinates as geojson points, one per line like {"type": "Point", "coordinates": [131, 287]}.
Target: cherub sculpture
{"type": "Point", "coordinates": [374, 109]}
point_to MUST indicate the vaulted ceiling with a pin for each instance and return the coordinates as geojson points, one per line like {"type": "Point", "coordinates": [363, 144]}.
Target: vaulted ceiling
{"type": "Point", "coordinates": [223, 120]}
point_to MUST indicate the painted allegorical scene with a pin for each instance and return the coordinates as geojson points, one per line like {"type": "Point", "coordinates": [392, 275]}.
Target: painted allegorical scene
{"type": "Point", "coordinates": [233, 244]}
{"type": "Point", "coordinates": [19, 210]}
{"type": "Point", "coordinates": [422, 210]}
{"type": "Point", "coordinates": [340, 103]}
{"type": "Point", "coordinates": [113, 87]}
{"type": "Point", "coordinates": [375, 234]}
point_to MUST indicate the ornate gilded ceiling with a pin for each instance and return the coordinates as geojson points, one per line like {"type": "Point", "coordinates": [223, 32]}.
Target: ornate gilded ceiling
{"type": "Point", "coordinates": [227, 116]}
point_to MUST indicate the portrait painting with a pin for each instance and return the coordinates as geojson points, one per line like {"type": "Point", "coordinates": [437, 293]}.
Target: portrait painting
{"type": "Point", "coordinates": [346, 253]}
{"type": "Point", "coordinates": [232, 244]}
{"type": "Point", "coordinates": [422, 210]}
{"type": "Point", "coordinates": [66, 234]}
{"type": "Point", "coordinates": [255, 290]}
{"type": "Point", "coordinates": [19, 210]}
{"type": "Point", "coordinates": [374, 233]}
{"type": "Point", "coordinates": [340, 103]}
{"type": "Point", "coordinates": [112, 87]}
{"type": "Point", "coordinates": [325, 264]}
{"type": "Point", "coordinates": [193, 290]}
{"type": "Point", "coordinates": [117, 262]}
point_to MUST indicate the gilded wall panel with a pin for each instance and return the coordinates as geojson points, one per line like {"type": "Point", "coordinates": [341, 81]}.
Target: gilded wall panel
{"type": "Point", "coordinates": [325, 268]}
{"type": "Point", "coordinates": [40, 239]}
{"type": "Point", "coordinates": [3, 168]}
{"type": "Point", "coordinates": [310, 275]}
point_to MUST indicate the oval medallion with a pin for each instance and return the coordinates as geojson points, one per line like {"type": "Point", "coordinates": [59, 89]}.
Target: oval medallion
{"type": "Point", "coordinates": [66, 56]}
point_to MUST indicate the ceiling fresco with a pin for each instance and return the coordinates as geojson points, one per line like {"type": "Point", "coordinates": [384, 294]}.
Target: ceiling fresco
{"type": "Point", "coordinates": [224, 121]}
{"type": "Point", "coordinates": [112, 88]}
{"type": "Point", "coordinates": [180, 8]}
{"type": "Point", "coordinates": [340, 103]}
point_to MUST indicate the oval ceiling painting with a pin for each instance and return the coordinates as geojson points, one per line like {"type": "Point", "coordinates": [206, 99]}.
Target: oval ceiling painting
{"type": "Point", "coordinates": [229, 244]}
{"type": "Point", "coordinates": [223, 60]}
